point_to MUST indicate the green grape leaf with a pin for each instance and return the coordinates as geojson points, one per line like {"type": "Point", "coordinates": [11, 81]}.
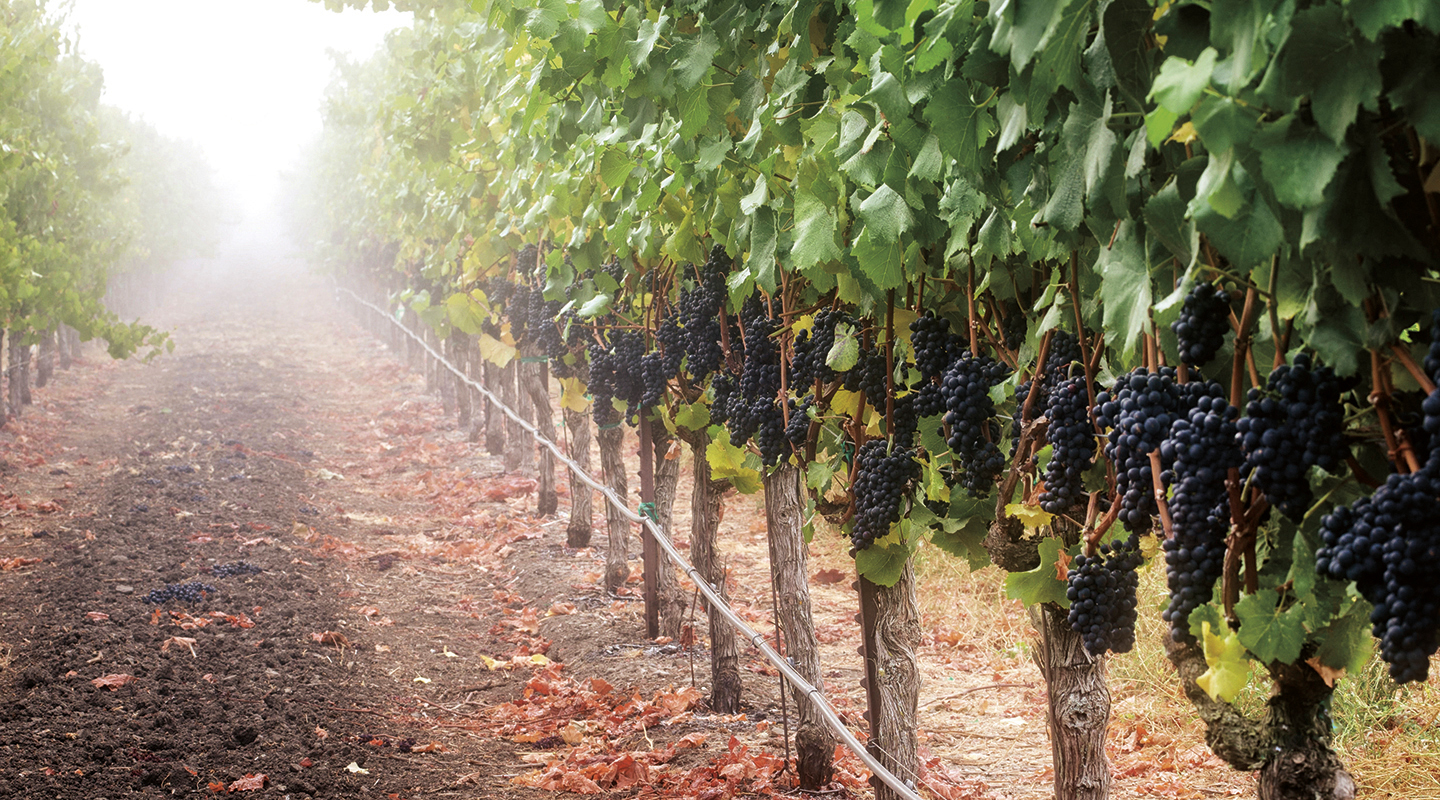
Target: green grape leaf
{"type": "Point", "coordinates": [845, 352]}
{"type": "Point", "coordinates": [727, 462]}
{"type": "Point", "coordinates": [815, 225]}
{"type": "Point", "coordinates": [690, 59]}
{"type": "Point", "coordinates": [1268, 631]}
{"type": "Point", "coordinates": [695, 416]}
{"type": "Point", "coordinates": [1229, 668]}
{"type": "Point", "coordinates": [962, 531]}
{"type": "Point", "coordinates": [1125, 291]}
{"type": "Point", "coordinates": [1042, 584]}
{"type": "Point", "coordinates": [1181, 82]}
{"type": "Point", "coordinates": [1347, 643]}
{"type": "Point", "coordinates": [882, 563]}
{"type": "Point", "coordinates": [886, 216]}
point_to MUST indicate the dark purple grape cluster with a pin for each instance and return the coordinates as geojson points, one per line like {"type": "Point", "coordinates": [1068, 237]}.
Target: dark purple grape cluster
{"type": "Point", "coordinates": [1203, 322]}
{"type": "Point", "coordinates": [653, 376]}
{"type": "Point", "coordinates": [797, 431]}
{"type": "Point", "coordinates": [700, 316]}
{"type": "Point", "coordinates": [1102, 596]}
{"type": "Point", "coordinates": [935, 345]}
{"type": "Point", "coordinates": [1203, 447]}
{"type": "Point", "coordinates": [1013, 328]}
{"type": "Point", "coordinates": [812, 347]}
{"type": "Point", "coordinates": [726, 388]}
{"type": "Point", "coordinates": [1389, 543]}
{"type": "Point", "coordinates": [1138, 412]}
{"type": "Point", "coordinates": [615, 373]}
{"type": "Point", "coordinates": [868, 376]}
{"type": "Point", "coordinates": [1071, 434]}
{"type": "Point", "coordinates": [192, 592]}
{"type": "Point", "coordinates": [756, 404]}
{"type": "Point", "coordinates": [671, 338]}
{"type": "Point", "coordinates": [237, 568]}
{"type": "Point", "coordinates": [1064, 351]}
{"type": "Point", "coordinates": [883, 478]}
{"type": "Point", "coordinates": [1298, 422]}
{"type": "Point", "coordinates": [970, 413]}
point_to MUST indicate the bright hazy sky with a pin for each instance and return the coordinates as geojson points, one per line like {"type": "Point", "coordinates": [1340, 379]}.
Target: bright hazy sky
{"type": "Point", "coordinates": [241, 78]}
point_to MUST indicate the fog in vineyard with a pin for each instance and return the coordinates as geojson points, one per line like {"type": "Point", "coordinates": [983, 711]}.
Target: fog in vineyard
{"type": "Point", "coordinates": [243, 81]}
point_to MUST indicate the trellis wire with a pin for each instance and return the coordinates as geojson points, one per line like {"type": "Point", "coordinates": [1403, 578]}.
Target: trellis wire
{"type": "Point", "coordinates": [832, 719]}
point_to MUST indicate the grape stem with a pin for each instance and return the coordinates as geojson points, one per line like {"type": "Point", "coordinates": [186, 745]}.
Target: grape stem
{"type": "Point", "coordinates": [1028, 429]}
{"type": "Point", "coordinates": [1242, 521]}
{"type": "Point", "coordinates": [1403, 356]}
{"type": "Point", "coordinates": [1094, 535]}
{"type": "Point", "coordinates": [1401, 454]}
{"type": "Point", "coordinates": [1080, 334]}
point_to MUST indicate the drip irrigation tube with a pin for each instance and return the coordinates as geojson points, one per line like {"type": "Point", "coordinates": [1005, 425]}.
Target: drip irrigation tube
{"type": "Point", "coordinates": [905, 789]}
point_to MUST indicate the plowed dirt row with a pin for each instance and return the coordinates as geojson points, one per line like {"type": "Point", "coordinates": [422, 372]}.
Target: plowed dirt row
{"type": "Point", "coordinates": [412, 631]}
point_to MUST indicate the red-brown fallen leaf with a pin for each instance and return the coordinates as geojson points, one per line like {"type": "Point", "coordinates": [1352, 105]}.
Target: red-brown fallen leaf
{"type": "Point", "coordinates": [692, 740]}
{"type": "Point", "coordinates": [190, 770]}
{"type": "Point", "coordinates": [180, 640]}
{"type": "Point", "coordinates": [1327, 673]}
{"type": "Point", "coordinates": [155, 617]}
{"type": "Point", "coordinates": [113, 681]}
{"type": "Point", "coordinates": [18, 561]}
{"type": "Point", "coordinates": [687, 637]}
{"type": "Point", "coordinates": [249, 783]}
{"type": "Point", "coordinates": [560, 609]}
{"type": "Point", "coordinates": [828, 576]}
{"type": "Point", "coordinates": [307, 763]}
{"type": "Point", "coordinates": [235, 620]}
{"type": "Point", "coordinates": [331, 637]}
{"type": "Point", "coordinates": [97, 616]}
{"type": "Point", "coordinates": [431, 747]}
{"type": "Point", "coordinates": [321, 733]}
{"type": "Point", "coordinates": [216, 787]}
{"type": "Point", "coordinates": [1062, 566]}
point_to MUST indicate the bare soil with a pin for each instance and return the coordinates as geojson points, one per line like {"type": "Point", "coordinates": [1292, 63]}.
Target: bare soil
{"type": "Point", "coordinates": [414, 631]}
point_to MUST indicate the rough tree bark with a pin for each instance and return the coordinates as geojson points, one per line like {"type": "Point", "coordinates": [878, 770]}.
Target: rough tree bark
{"type": "Point", "coordinates": [464, 399]}
{"type": "Point", "coordinates": [13, 377]}
{"type": "Point", "coordinates": [26, 352]}
{"type": "Point", "coordinates": [580, 527]}
{"type": "Point", "coordinates": [74, 348]}
{"type": "Point", "coordinates": [612, 463]}
{"type": "Point", "coordinates": [517, 444]}
{"type": "Point", "coordinates": [535, 386]}
{"type": "Point", "coordinates": [897, 634]}
{"type": "Point", "coordinates": [705, 511]}
{"type": "Point", "coordinates": [667, 480]}
{"type": "Point", "coordinates": [444, 378]}
{"type": "Point", "coordinates": [814, 744]}
{"type": "Point", "coordinates": [1078, 711]}
{"type": "Point", "coordinates": [494, 419]}
{"type": "Point", "coordinates": [1290, 747]}
{"type": "Point", "coordinates": [62, 342]}
{"type": "Point", "coordinates": [45, 365]}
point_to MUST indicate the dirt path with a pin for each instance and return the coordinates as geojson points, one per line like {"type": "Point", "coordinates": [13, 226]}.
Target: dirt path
{"type": "Point", "coordinates": [413, 632]}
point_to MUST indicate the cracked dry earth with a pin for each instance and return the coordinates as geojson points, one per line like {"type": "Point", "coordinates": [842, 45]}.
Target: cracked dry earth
{"type": "Point", "coordinates": [412, 630]}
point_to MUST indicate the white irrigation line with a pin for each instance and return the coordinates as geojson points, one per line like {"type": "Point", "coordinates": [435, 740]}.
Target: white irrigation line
{"type": "Point", "coordinates": [903, 788]}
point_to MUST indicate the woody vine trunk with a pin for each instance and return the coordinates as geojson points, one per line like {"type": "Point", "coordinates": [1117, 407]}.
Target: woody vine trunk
{"type": "Point", "coordinates": [814, 744]}
{"type": "Point", "coordinates": [705, 511]}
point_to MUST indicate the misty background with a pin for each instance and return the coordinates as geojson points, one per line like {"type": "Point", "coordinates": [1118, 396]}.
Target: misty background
{"type": "Point", "coordinates": [243, 82]}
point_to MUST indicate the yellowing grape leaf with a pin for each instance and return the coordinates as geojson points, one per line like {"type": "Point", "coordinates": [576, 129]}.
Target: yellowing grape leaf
{"type": "Point", "coordinates": [1229, 668]}
{"type": "Point", "coordinates": [1031, 517]}
{"type": "Point", "coordinates": [495, 351]}
{"type": "Point", "coordinates": [572, 395]}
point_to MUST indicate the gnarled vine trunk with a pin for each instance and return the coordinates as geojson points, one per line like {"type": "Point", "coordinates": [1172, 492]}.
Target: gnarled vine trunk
{"type": "Point", "coordinates": [517, 443]}
{"type": "Point", "coordinates": [1078, 707]}
{"type": "Point", "coordinates": [534, 385]}
{"type": "Point", "coordinates": [667, 480]}
{"type": "Point", "coordinates": [580, 527]}
{"type": "Point", "coordinates": [814, 744]}
{"type": "Point", "coordinates": [494, 417]}
{"type": "Point", "coordinates": [612, 463]}
{"type": "Point", "coordinates": [1290, 747]}
{"type": "Point", "coordinates": [45, 365]}
{"type": "Point", "coordinates": [705, 512]}
{"type": "Point", "coordinates": [890, 649]}
{"type": "Point", "coordinates": [63, 347]}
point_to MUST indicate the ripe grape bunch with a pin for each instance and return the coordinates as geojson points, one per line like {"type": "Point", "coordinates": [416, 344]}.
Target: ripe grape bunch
{"type": "Point", "coordinates": [1064, 351]}
{"type": "Point", "coordinates": [812, 347]}
{"type": "Point", "coordinates": [756, 407]}
{"type": "Point", "coordinates": [970, 413]}
{"type": "Point", "coordinates": [1203, 447]}
{"type": "Point", "coordinates": [883, 478]}
{"type": "Point", "coordinates": [237, 568]}
{"type": "Point", "coordinates": [1072, 435]}
{"type": "Point", "coordinates": [1138, 411]}
{"type": "Point", "coordinates": [797, 431]}
{"type": "Point", "coordinates": [1297, 423]}
{"type": "Point", "coordinates": [1203, 321]}
{"type": "Point", "coordinates": [1102, 596]}
{"type": "Point", "coordinates": [935, 345]}
{"type": "Point", "coordinates": [700, 316]}
{"type": "Point", "coordinates": [869, 376]}
{"type": "Point", "coordinates": [1388, 544]}
{"type": "Point", "coordinates": [192, 592]}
